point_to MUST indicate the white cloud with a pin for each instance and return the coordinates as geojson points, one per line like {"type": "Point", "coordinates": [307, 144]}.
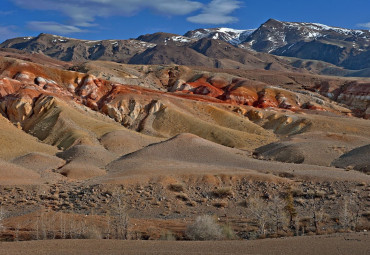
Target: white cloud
{"type": "Point", "coordinates": [53, 27]}
{"type": "Point", "coordinates": [7, 33]}
{"type": "Point", "coordinates": [6, 12]}
{"type": "Point", "coordinates": [217, 12]}
{"type": "Point", "coordinates": [83, 13]}
{"type": "Point", "coordinates": [365, 25]}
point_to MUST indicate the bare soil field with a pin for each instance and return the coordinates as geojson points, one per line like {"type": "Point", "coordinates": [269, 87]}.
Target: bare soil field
{"type": "Point", "coordinates": [351, 243]}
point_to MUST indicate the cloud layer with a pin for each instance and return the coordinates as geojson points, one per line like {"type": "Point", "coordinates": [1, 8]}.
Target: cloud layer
{"type": "Point", "coordinates": [7, 32]}
{"type": "Point", "coordinates": [217, 12]}
{"type": "Point", "coordinates": [365, 25]}
{"type": "Point", "coordinates": [84, 13]}
{"type": "Point", "coordinates": [53, 27]}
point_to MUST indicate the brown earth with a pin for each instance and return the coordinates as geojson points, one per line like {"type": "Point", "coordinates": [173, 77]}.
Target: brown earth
{"type": "Point", "coordinates": [330, 245]}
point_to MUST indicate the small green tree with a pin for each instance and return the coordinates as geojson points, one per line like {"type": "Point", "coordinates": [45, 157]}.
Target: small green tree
{"type": "Point", "coordinates": [290, 209]}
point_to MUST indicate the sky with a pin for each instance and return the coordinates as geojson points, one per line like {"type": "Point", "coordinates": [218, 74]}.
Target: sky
{"type": "Point", "coordinates": [123, 19]}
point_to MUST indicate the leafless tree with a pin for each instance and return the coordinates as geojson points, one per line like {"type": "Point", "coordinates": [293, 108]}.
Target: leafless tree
{"type": "Point", "coordinates": [2, 218]}
{"type": "Point", "coordinates": [108, 231]}
{"type": "Point", "coordinates": [258, 210]}
{"type": "Point", "coordinates": [43, 225]}
{"type": "Point", "coordinates": [120, 219]}
{"type": "Point", "coordinates": [278, 217]}
{"type": "Point", "coordinates": [17, 227]}
{"type": "Point", "coordinates": [317, 212]}
{"type": "Point", "coordinates": [62, 221]}
{"type": "Point", "coordinates": [350, 214]}
{"type": "Point", "coordinates": [297, 225]}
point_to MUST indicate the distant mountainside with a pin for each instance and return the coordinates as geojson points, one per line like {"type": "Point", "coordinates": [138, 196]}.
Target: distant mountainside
{"type": "Point", "coordinates": [69, 49]}
{"type": "Point", "coordinates": [342, 47]}
{"type": "Point", "coordinates": [158, 48]}
{"type": "Point", "coordinates": [165, 39]}
{"type": "Point", "coordinates": [303, 47]}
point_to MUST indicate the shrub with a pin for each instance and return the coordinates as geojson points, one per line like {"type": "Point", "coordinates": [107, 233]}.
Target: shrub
{"type": "Point", "coordinates": [167, 236]}
{"type": "Point", "coordinates": [176, 187]}
{"type": "Point", "coordinates": [93, 232]}
{"type": "Point", "coordinates": [182, 197]}
{"type": "Point", "coordinates": [228, 232]}
{"type": "Point", "coordinates": [204, 228]}
{"type": "Point", "coordinates": [223, 192]}
{"type": "Point", "coordinates": [220, 204]}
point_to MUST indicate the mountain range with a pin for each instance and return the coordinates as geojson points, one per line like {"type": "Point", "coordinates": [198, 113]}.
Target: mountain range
{"type": "Point", "coordinates": [275, 45]}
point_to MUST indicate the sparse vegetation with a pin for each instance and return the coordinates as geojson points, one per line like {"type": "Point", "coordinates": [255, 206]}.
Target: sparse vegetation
{"type": "Point", "coordinates": [274, 212]}
{"type": "Point", "coordinates": [258, 210]}
{"type": "Point", "coordinates": [350, 214]}
{"type": "Point", "coordinates": [167, 236]}
{"type": "Point", "coordinates": [220, 204]}
{"type": "Point", "coordinates": [204, 228]}
{"type": "Point", "coordinates": [278, 215]}
{"type": "Point", "coordinates": [2, 218]}
{"type": "Point", "coordinates": [290, 208]}
{"type": "Point", "coordinates": [120, 217]}
{"type": "Point", "coordinates": [182, 197]}
{"type": "Point", "coordinates": [228, 232]}
{"type": "Point", "coordinates": [223, 192]}
{"type": "Point", "coordinates": [176, 187]}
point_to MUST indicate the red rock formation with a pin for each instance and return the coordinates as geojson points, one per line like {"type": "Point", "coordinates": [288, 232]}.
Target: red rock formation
{"type": "Point", "coordinates": [21, 84]}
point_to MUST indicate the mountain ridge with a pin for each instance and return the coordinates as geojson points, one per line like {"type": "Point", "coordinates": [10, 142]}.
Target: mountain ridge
{"type": "Point", "coordinates": [346, 49]}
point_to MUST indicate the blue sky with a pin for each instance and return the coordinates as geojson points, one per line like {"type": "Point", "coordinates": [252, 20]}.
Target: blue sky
{"type": "Point", "coordinates": [122, 19]}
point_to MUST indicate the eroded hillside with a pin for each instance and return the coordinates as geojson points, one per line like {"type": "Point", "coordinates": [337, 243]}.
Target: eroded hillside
{"type": "Point", "coordinates": [176, 141]}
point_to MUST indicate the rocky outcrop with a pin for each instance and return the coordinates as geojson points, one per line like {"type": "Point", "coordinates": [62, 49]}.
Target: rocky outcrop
{"type": "Point", "coordinates": [353, 94]}
{"type": "Point", "coordinates": [247, 92]}
{"type": "Point", "coordinates": [17, 109]}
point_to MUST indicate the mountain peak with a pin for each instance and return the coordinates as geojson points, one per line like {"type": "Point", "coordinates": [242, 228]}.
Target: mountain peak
{"type": "Point", "coordinates": [230, 35]}
{"type": "Point", "coordinates": [272, 20]}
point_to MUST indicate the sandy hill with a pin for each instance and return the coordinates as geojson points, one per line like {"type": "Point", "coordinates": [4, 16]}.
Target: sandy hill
{"type": "Point", "coordinates": [15, 142]}
{"type": "Point", "coordinates": [187, 154]}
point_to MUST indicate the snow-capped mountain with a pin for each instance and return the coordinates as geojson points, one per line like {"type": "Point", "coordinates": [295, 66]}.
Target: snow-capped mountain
{"type": "Point", "coordinates": [275, 34]}
{"type": "Point", "coordinates": [339, 46]}
{"type": "Point", "coordinates": [232, 36]}
{"type": "Point", "coordinates": [345, 48]}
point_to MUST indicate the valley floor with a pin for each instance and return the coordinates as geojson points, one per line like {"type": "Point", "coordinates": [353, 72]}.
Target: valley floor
{"type": "Point", "coordinates": [349, 243]}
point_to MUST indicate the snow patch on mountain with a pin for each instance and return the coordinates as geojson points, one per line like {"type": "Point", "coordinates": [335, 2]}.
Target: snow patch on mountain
{"type": "Point", "coordinates": [312, 30]}
{"type": "Point", "coordinates": [230, 35]}
{"type": "Point", "coordinates": [180, 39]}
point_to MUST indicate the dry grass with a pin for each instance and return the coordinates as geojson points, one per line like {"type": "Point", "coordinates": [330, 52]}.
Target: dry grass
{"type": "Point", "coordinates": [176, 187]}
{"type": "Point", "coordinates": [223, 192]}
{"type": "Point", "coordinates": [204, 228]}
